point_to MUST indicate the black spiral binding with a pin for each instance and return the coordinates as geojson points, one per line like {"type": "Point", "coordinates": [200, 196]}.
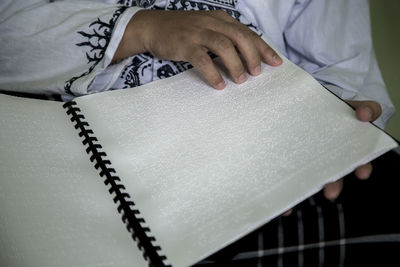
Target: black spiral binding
{"type": "Point", "coordinates": [125, 208]}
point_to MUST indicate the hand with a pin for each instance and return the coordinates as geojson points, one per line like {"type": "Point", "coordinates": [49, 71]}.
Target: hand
{"type": "Point", "coordinates": [189, 35]}
{"type": "Point", "coordinates": [365, 111]}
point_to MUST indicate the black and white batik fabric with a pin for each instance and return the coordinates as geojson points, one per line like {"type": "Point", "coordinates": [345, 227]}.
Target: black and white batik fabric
{"type": "Point", "coordinates": [96, 39]}
{"type": "Point", "coordinates": [144, 68]}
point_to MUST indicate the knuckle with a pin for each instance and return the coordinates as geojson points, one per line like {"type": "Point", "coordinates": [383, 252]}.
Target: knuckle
{"type": "Point", "coordinates": [242, 33]}
{"type": "Point", "coordinates": [204, 19]}
{"type": "Point", "coordinates": [220, 12]}
{"type": "Point", "coordinates": [245, 35]}
{"type": "Point", "coordinates": [253, 35]}
{"type": "Point", "coordinates": [238, 35]}
{"type": "Point", "coordinates": [222, 43]}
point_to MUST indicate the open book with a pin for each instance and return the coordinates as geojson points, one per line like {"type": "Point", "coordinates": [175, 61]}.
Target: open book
{"type": "Point", "coordinates": [190, 169]}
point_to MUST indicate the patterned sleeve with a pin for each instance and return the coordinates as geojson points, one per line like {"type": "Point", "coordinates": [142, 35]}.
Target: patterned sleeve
{"type": "Point", "coordinates": [57, 47]}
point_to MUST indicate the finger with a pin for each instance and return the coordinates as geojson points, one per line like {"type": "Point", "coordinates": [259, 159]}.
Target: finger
{"type": "Point", "coordinates": [364, 172]}
{"type": "Point", "coordinates": [219, 44]}
{"type": "Point", "coordinates": [287, 213]}
{"type": "Point", "coordinates": [222, 15]}
{"type": "Point", "coordinates": [332, 190]}
{"type": "Point", "coordinates": [268, 54]}
{"type": "Point", "coordinates": [366, 110]}
{"type": "Point", "coordinates": [204, 64]}
{"type": "Point", "coordinates": [243, 40]}
{"type": "Point", "coordinates": [251, 46]}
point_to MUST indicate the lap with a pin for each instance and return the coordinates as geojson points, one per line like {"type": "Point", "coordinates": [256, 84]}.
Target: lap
{"type": "Point", "coordinates": [360, 228]}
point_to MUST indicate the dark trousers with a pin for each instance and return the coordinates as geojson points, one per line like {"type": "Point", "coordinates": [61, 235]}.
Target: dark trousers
{"type": "Point", "coordinates": [360, 228]}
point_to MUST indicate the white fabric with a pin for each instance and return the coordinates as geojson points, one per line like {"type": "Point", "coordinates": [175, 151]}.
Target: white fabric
{"type": "Point", "coordinates": [38, 44]}
{"type": "Point", "coordinates": [329, 39]}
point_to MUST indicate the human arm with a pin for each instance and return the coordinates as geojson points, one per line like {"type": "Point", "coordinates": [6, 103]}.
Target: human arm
{"type": "Point", "coordinates": [70, 50]}
{"type": "Point", "coordinates": [191, 35]}
{"type": "Point", "coordinates": [58, 47]}
{"type": "Point", "coordinates": [332, 41]}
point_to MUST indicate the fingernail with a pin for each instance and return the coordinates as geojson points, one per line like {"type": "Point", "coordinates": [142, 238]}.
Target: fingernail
{"type": "Point", "coordinates": [369, 112]}
{"type": "Point", "coordinates": [241, 78]}
{"type": "Point", "coordinates": [364, 113]}
{"type": "Point", "coordinates": [276, 59]}
{"type": "Point", "coordinates": [256, 70]}
{"type": "Point", "coordinates": [220, 86]}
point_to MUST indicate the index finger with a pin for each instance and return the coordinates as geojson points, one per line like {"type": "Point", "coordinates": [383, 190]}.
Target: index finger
{"type": "Point", "coordinates": [199, 58]}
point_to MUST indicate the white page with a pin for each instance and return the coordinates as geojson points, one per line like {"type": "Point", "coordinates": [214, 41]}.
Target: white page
{"type": "Point", "coordinates": [206, 167]}
{"type": "Point", "coordinates": [55, 208]}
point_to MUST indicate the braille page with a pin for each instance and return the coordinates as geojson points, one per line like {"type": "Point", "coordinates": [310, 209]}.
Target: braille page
{"type": "Point", "coordinates": [206, 167]}
{"type": "Point", "coordinates": [55, 208]}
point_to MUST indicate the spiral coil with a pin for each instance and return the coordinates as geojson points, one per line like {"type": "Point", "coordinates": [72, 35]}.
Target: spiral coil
{"type": "Point", "coordinates": [130, 215]}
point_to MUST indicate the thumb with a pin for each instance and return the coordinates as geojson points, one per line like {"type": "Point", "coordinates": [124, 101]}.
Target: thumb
{"type": "Point", "coordinates": [366, 110]}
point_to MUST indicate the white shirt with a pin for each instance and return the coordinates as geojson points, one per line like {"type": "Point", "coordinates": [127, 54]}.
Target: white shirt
{"type": "Point", "coordinates": [65, 47]}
